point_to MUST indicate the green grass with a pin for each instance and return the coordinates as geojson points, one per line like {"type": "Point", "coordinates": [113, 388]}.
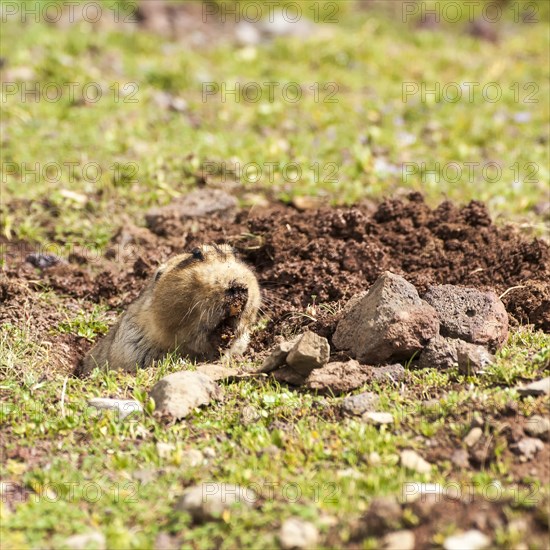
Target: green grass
{"type": "Point", "coordinates": [87, 471]}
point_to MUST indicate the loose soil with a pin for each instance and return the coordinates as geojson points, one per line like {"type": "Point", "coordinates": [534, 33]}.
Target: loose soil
{"type": "Point", "coordinates": [308, 264]}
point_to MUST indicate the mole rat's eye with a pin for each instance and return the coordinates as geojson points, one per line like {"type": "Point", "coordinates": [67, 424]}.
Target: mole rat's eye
{"type": "Point", "coordinates": [197, 254]}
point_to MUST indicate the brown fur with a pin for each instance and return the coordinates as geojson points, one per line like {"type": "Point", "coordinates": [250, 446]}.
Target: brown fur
{"type": "Point", "coordinates": [199, 305]}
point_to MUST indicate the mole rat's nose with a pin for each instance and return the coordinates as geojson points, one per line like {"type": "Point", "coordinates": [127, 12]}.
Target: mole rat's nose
{"type": "Point", "coordinates": [236, 291]}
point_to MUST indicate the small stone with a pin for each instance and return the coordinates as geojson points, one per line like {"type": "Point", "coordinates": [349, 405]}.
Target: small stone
{"type": "Point", "coordinates": [123, 407]}
{"type": "Point", "coordinates": [86, 541]}
{"type": "Point", "coordinates": [209, 452]}
{"type": "Point", "coordinates": [377, 418]}
{"type": "Point", "coordinates": [388, 373]}
{"type": "Point", "coordinates": [192, 458]}
{"type": "Point", "coordinates": [216, 371]}
{"type": "Point", "coordinates": [460, 458]}
{"type": "Point", "coordinates": [277, 357]}
{"type": "Point", "coordinates": [440, 353]}
{"type": "Point", "coordinates": [374, 458]}
{"type": "Point", "coordinates": [360, 403]}
{"type": "Point", "coordinates": [179, 393]}
{"type": "Point", "coordinates": [413, 461]}
{"type": "Point", "coordinates": [165, 450]}
{"type": "Point", "coordinates": [383, 514]}
{"type": "Point", "coordinates": [164, 541]}
{"type": "Point", "coordinates": [289, 376]}
{"type": "Point", "coordinates": [473, 359]}
{"type": "Point", "coordinates": [297, 533]}
{"type": "Point", "coordinates": [540, 387]}
{"type": "Point", "coordinates": [43, 261]}
{"type": "Point", "coordinates": [389, 322]}
{"type": "Point", "coordinates": [310, 352]}
{"type": "Point", "coordinates": [338, 377]}
{"type": "Point", "coordinates": [201, 203]}
{"type": "Point", "coordinates": [208, 501]}
{"type": "Point", "coordinates": [470, 540]}
{"type": "Point", "coordinates": [477, 317]}
{"type": "Point", "coordinates": [473, 437]}
{"type": "Point", "coordinates": [538, 426]}
{"type": "Point", "coordinates": [528, 447]}
{"type": "Point", "coordinates": [399, 540]}
{"type": "Point", "coordinates": [250, 415]}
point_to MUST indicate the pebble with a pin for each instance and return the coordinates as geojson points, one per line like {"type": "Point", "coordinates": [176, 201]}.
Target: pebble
{"type": "Point", "coordinates": [413, 461]}
{"type": "Point", "coordinates": [399, 540]}
{"type": "Point", "coordinates": [179, 393]}
{"type": "Point", "coordinates": [297, 533]}
{"type": "Point", "coordinates": [528, 447]}
{"type": "Point", "coordinates": [95, 540]}
{"type": "Point", "coordinates": [124, 407]}
{"type": "Point", "coordinates": [377, 418]}
{"type": "Point", "coordinates": [360, 403]}
{"type": "Point", "coordinates": [538, 426]}
{"type": "Point", "coordinates": [209, 501]}
{"type": "Point", "coordinates": [540, 387]}
{"type": "Point", "coordinates": [473, 437]}
{"type": "Point", "coordinates": [470, 540]}
{"type": "Point", "coordinates": [460, 458]}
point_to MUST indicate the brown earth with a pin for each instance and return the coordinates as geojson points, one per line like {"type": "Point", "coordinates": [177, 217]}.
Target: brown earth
{"type": "Point", "coordinates": [308, 264]}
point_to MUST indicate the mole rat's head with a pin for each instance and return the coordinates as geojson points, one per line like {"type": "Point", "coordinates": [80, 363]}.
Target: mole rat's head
{"type": "Point", "coordinates": [205, 301]}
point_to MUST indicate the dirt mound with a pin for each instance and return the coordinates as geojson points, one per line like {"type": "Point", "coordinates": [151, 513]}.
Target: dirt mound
{"type": "Point", "coordinates": [309, 263]}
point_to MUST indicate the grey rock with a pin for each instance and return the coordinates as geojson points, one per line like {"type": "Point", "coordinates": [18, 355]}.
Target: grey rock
{"type": "Point", "coordinates": [384, 513]}
{"type": "Point", "coordinates": [86, 541]}
{"type": "Point", "coordinates": [250, 415]}
{"type": "Point", "coordinates": [123, 407]}
{"type": "Point", "coordinates": [377, 418]}
{"type": "Point", "coordinates": [179, 393]}
{"type": "Point", "coordinates": [208, 501]}
{"type": "Point", "coordinates": [399, 540]}
{"type": "Point", "coordinates": [196, 204]}
{"type": "Point", "coordinates": [297, 533]}
{"type": "Point", "coordinates": [460, 458]}
{"type": "Point", "coordinates": [338, 377]}
{"type": "Point", "coordinates": [277, 357]}
{"type": "Point", "coordinates": [470, 540]}
{"type": "Point", "coordinates": [288, 375]}
{"type": "Point", "coordinates": [538, 426]}
{"type": "Point", "coordinates": [440, 353]}
{"type": "Point", "coordinates": [473, 437]}
{"type": "Point", "coordinates": [469, 314]}
{"type": "Point", "coordinates": [43, 261]}
{"type": "Point", "coordinates": [388, 373]}
{"type": "Point", "coordinates": [360, 403]}
{"type": "Point", "coordinates": [473, 359]}
{"type": "Point", "coordinates": [247, 34]}
{"type": "Point", "coordinates": [540, 387]}
{"type": "Point", "coordinates": [192, 458]}
{"type": "Point", "coordinates": [389, 322]}
{"type": "Point", "coordinates": [310, 352]}
{"type": "Point", "coordinates": [528, 447]}
{"type": "Point", "coordinates": [413, 461]}
{"type": "Point", "coordinates": [279, 24]}
{"type": "Point", "coordinates": [216, 371]}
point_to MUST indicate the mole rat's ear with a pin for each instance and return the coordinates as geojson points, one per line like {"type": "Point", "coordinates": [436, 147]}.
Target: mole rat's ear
{"type": "Point", "coordinates": [159, 272]}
